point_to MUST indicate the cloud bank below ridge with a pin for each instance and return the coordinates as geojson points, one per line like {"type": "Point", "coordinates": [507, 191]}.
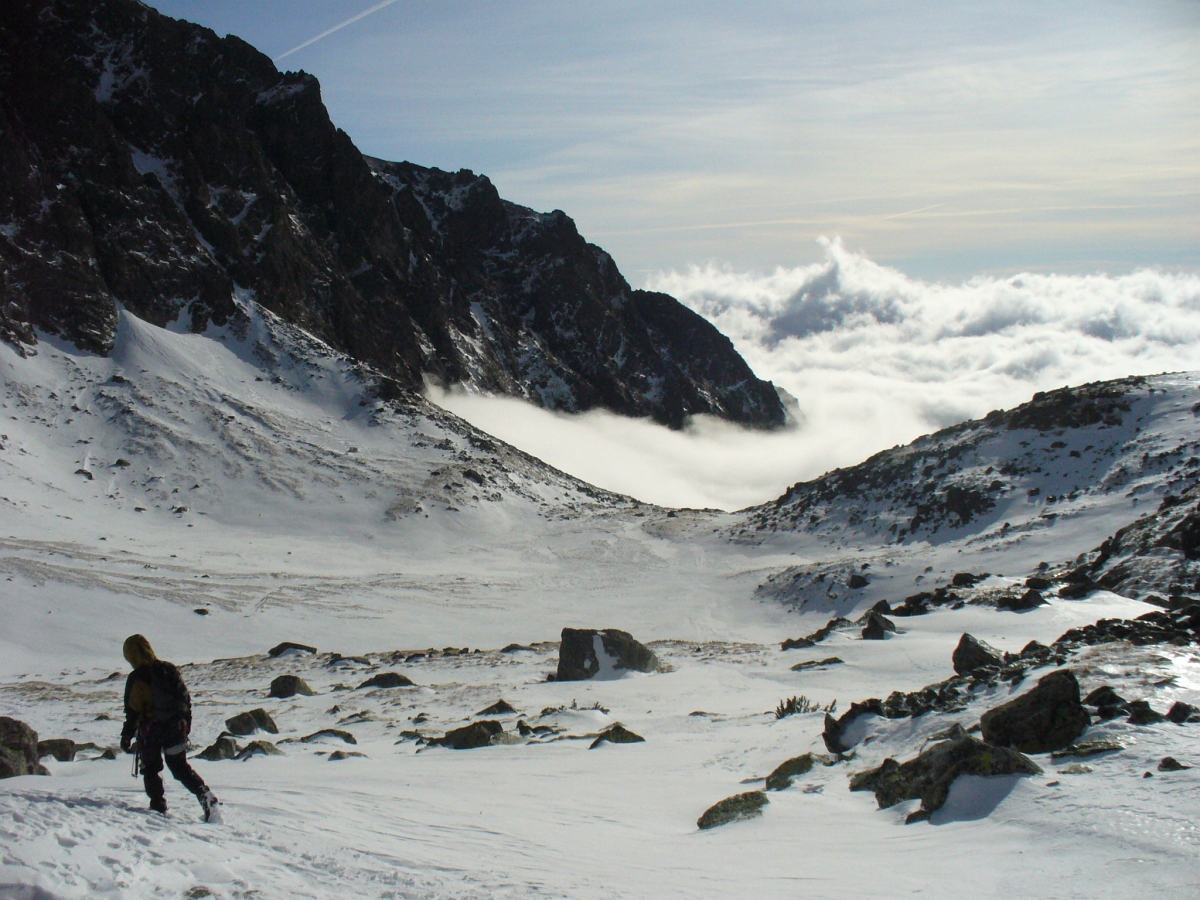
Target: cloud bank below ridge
{"type": "Point", "coordinates": [874, 358]}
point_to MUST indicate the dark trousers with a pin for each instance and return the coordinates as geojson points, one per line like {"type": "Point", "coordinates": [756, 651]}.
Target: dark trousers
{"type": "Point", "coordinates": [153, 744]}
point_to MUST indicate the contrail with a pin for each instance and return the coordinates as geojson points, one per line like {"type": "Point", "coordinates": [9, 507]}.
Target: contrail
{"type": "Point", "coordinates": [338, 27]}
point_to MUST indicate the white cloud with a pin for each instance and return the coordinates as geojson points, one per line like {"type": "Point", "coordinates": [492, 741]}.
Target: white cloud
{"type": "Point", "coordinates": [874, 357]}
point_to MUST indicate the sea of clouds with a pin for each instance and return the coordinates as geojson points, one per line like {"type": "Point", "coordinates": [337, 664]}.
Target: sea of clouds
{"type": "Point", "coordinates": [874, 358]}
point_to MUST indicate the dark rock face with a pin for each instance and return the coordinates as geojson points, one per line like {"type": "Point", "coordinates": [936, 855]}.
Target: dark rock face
{"type": "Point", "coordinates": [1181, 712]}
{"type": "Point", "coordinates": [224, 747]}
{"type": "Point", "coordinates": [280, 649]}
{"type": "Point", "coordinates": [148, 162]}
{"type": "Point", "coordinates": [972, 653]}
{"type": "Point", "coordinates": [289, 686]}
{"type": "Point", "coordinates": [62, 749]}
{"type": "Point", "coordinates": [733, 809]}
{"type": "Point", "coordinates": [616, 734]}
{"type": "Point", "coordinates": [250, 722]}
{"type": "Point", "coordinates": [781, 778]}
{"type": "Point", "coordinates": [387, 680]}
{"type": "Point", "coordinates": [577, 660]}
{"type": "Point", "coordinates": [477, 734]}
{"type": "Point", "coordinates": [18, 749]}
{"type": "Point", "coordinates": [856, 581]}
{"type": "Point", "coordinates": [1142, 713]}
{"type": "Point", "coordinates": [259, 748]}
{"type": "Point", "coordinates": [929, 776]}
{"type": "Point", "coordinates": [833, 734]}
{"type": "Point", "coordinates": [1171, 764]}
{"type": "Point", "coordinates": [1047, 718]}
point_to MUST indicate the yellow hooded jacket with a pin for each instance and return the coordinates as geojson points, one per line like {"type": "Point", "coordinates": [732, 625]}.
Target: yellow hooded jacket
{"type": "Point", "coordinates": [154, 691]}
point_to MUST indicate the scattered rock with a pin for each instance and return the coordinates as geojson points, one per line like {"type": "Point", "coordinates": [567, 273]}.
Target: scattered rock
{"type": "Point", "coordinates": [733, 809]}
{"type": "Point", "coordinates": [1031, 599]}
{"type": "Point", "coordinates": [1181, 712]}
{"type": "Point", "coordinates": [1141, 713]}
{"type": "Point", "coordinates": [200, 611]}
{"type": "Point", "coordinates": [477, 734]}
{"type": "Point", "coordinates": [344, 754]}
{"type": "Point", "coordinates": [1045, 719]}
{"type": "Point", "coordinates": [18, 749]}
{"type": "Point", "coordinates": [1104, 696]}
{"type": "Point", "coordinates": [972, 653]}
{"type": "Point", "coordinates": [1171, 764]}
{"type": "Point", "coordinates": [616, 734]}
{"type": "Point", "coordinates": [289, 686]}
{"type": "Point", "coordinates": [1038, 583]}
{"type": "Point", "coordinates": [62, 749]}
{"type": "Point", "coordinates": [580, 649]}
{"type": "Point", "coordinates": [122, 463]}
{"type": "Point", "coordinates": [386, 680]}
{"type": "Point", "coordinates": [224, 747]}
{"type": "Point", "coordinates": [1075, 769]}
{"type": "Point", "coordinates": [329, 732]}
{"type": "Point", "coordinates": [1088, 748]}
{"type": "Point", "coordinates": [259, 748]}
{"type": "Point", "coordinates": [249, 722]}
{"type": "Point", "coordinates": [929, 776]}
{"type": "Point", "coordinates": [515, 648]}
{"type": "Point", "coordinates": [856, 581]}
{"type": "Point", "coordinates": [782, 777]}
{"type": "Point", "coordinates": [796, 644]}
{"type": "Point", "coordinates": [835, 728]}
{"type": "Point", "coordinates": [499, 708]}
{"type": "Point", "coordinates": [878, 627]}
{"type": "Point", "coordinates": [817, 663]}
{"type": "Point", "coordinates": [965, 579]}
{"type": "Point", "coordinates": [280, 649]}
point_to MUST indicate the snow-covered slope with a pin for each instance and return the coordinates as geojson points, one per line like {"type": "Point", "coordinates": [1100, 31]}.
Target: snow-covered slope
{"type": "Point", "coordinates": [249, 486]}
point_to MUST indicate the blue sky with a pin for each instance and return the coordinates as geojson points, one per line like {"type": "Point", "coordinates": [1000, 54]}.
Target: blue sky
{"type": "Point", "coordinates": [947, 140]}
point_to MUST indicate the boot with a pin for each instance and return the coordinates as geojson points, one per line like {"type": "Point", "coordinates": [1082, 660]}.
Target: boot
{"type": "Point", "coordinates": [209, 803]}
{"type": "Point", "coordinates": [159, 804]}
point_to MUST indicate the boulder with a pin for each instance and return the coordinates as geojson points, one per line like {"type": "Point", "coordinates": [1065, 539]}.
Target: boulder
{"type": "Point", "coordinates": [616, 734]}
{"type": "Point", "coordinates": [499, 708]}
{"type": "Point", "coordinates": [929, 776]}
{"type": "Point", "coordinates": [1029, 600]}
{"type": "Point", "coordinates": [782, 777]}
{"type": "Point", "coordinates": [18, 749]}
{"type": "Point", "coordinates": [972, 653]}
{"type": "Point", "coordinates": [289, 686]}
{"type": "Point", "coordinates": [249, 722]}
{"type": "Point", "coordinates": [1181, 712]}
{"type": "Point", "coordinates": [856, 582]}
{"type": "Point", "coordinates": [964, 579]}
{"type": "Point", "coordinates": [259, 748]}
{"type": "Point", "coordinates": [1088, 748]}
{"type": "Point", "coordinates": [224, 747]}
{"type": "Point", "coordinates": [329, 732]}
{"type": "Point", "coordinates": [878, 627]}
{"type": "Point", "coordinates": [1104, 695]}
{"type": "Point", "coordinates": [834, 734]}
{"type": "Point", "coordinates": [817, 663]}
{"type": "Point", "coordinates": [386, 680]}
{"type": "Point", "coordinates": [584, 652]}
{"type": "Point", "coordinates": [796, 644]}
{"type": "Point", "coordinates": [338, 755]}
{"type": "Point", "coordinates": [1171, 764]}
{"type": "Point", "coordinates": [62, 749]}
{"type": "Point", "coordinates": [732, 809]}
{"type": "Point", "coordinates": [477, 734]}
{"type": "Point", "coordinates": [1141, 713]}
{"type": "Point", "coordinates": [1045, 719]}
{"type": "Point", "coordinates": [280, 649]}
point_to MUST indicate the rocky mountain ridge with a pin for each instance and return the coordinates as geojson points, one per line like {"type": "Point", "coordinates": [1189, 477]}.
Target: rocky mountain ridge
{"type": "Point", "coordinates": [149, 164]}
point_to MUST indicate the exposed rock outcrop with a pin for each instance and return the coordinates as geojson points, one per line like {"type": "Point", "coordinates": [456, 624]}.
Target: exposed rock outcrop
{"type": "Point", "coordinates": [733, 809]}
{"type": "Point", "coordinates": [586, 652]}
{"type": "Point", "coordinates": [18, 749]}
{"type": "Point", "coordinates": [1047, 718]}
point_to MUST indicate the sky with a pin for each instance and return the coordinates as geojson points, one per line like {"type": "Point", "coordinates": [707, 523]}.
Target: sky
{"type": "Point", "coordinates": [904, 214]}
{"type": "Point", "coordinates": [946, 139]}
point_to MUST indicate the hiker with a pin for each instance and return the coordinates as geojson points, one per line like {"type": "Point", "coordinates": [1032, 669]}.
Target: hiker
{"type": "Point", "coordinates": [158, 712]}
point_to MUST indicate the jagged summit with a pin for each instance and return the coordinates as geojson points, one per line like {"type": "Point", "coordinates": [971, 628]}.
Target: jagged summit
{"type": "Point", "coordinates": [149, 163]}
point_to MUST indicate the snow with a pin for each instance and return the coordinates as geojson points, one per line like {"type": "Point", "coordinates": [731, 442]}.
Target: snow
{"type": "Point", "coordinates": [317, 513]}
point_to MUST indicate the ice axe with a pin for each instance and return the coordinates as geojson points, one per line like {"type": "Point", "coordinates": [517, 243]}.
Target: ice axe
{"type": "Point", "coordinates": [137, 759]}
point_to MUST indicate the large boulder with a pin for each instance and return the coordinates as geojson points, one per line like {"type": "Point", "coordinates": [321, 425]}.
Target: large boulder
{"type": "Point", "coordinates": [1045, 719]}
{"type": "Point", "coordinates": [928, 777]}
{"type": "Point", "coordinates": [731, 809]}
{"type": "Point", "coordinates": [586, 652]}
{"type": "Point", "coordinates": [249, 722]}
{"type": "Point", "coordinates": [224, 747]}
{"type": "Point", "coordinates": [972, 653]}
{"type": "Point", "coordinates": [878, 627]}
{"type": "Point", "coordinates": [289, 686]}
{"type": "Point", "coordinates": [18, 749]}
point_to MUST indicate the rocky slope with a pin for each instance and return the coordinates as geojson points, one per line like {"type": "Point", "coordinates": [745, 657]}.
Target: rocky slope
{"type": "Point", "coordinates": [149, 164]}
